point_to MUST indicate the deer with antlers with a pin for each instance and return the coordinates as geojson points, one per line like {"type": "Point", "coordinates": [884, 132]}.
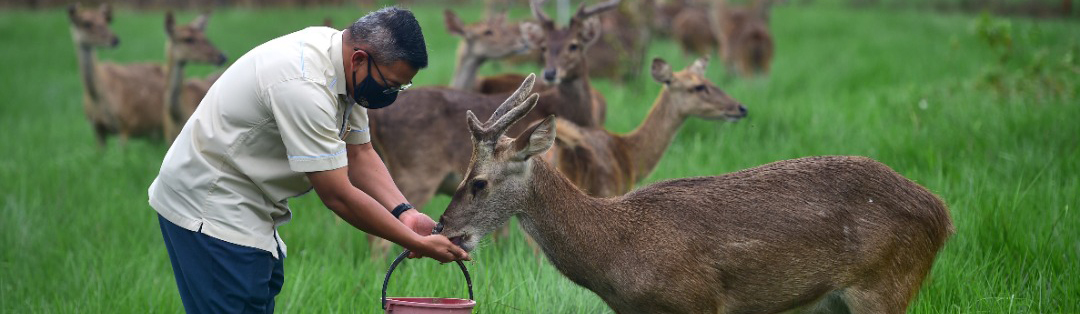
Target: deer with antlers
{"type": "Point", "coordinates": [818, 233]}
{"type": "Point", "coordinates": [605, 164]}
{"type": "Point", "coordinates": [118, 99]}
{"type": "Point", "coordinates": [185, 44]}
{"type": "Point", "coordinates": [424, 162]}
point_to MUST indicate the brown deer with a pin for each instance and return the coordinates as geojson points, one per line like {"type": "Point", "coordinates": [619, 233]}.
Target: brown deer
{"type": "Point", "coordinates": [488, 40]}
{"type": "Point", "coordinates": [117, 99]}
{"type": "Point", "coordinates": [185, 44]}
{"type": "Point", "coordinates": [691, 28]}
{"type": "Point", "coordinates": [813, 234]}
{"type": "Point", "coordinates": [605, 164]}
{"type": "Point", "coordinates": [746, 45]}
{"type": "Point", "coordinates": [423, 162]}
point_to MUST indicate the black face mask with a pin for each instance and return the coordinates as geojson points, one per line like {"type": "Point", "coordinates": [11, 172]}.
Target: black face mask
{"type": "Point", "coordinates": [369, 94]}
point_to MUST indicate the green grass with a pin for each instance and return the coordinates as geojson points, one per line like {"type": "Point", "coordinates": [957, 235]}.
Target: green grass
{"type": "Point", "coordinates": [923, 93]}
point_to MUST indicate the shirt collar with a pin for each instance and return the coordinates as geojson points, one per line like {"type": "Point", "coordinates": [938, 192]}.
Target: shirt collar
{"type": "Point", "coordinates": [337, 59]}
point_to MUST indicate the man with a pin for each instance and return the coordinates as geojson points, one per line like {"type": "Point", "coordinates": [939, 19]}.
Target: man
{"type": "Point", "coordinates": [279, 122]}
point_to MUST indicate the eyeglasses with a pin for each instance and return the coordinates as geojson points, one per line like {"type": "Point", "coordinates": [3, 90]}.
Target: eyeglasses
{"type": "Point", "coordinates": [388, 90]}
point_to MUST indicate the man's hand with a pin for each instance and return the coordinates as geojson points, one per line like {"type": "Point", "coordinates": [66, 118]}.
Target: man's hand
{"type": "Point", "coordinates": [440, 248]}
{"type": "Point", "coordinates": [418, 222]}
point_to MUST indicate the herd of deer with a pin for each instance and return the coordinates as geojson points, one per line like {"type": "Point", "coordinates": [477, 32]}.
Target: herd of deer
{"type": "Point", "coordinates": [816, 235]}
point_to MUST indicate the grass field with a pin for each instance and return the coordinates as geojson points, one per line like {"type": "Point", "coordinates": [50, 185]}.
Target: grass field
{"type": "Point", "coordinates": [991, 129]}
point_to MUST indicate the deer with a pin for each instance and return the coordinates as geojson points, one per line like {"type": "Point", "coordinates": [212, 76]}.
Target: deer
{"type": "Point", "coordinates": [605, 164]}
{"type": "Point", "coordinates": [746, 45]}
{"type": "Point", "coordinates": [185, 44]}
{"type": "Point", "coordinates": [813, 233]}
{"type": "Point", "coordinates": [424, 163]}
{"type": "Point", "coordinates": [118, 99]}
{"type": "Point", "coordinates": [492, 39]}
{"type": "Point", "coordinates": [691, 28]}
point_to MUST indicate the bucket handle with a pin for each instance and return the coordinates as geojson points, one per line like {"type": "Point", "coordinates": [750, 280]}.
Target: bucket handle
{"type": "Point", "coordinates": [403, 255]}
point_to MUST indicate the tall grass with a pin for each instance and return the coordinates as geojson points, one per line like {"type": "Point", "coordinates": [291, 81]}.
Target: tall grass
{"type": "Point", "coordinates": [990, 128]}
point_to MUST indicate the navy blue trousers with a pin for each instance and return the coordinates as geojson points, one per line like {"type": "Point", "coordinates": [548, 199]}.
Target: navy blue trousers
{"type": "Point", "coordinates": [215, 276]}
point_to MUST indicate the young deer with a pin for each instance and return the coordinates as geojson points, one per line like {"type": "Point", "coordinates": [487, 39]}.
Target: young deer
{"type": "Point", "coordinates": [746, 45]}
{"type": "Point", "coordinates": [117, 99]}
{"type": "Point", "coordinates": [423, 162]}
{"type": "Point", "coordinates": [185, 44]}
{"type": "Point", "coordinates": [819, 233]}
{"type": "Point", "coordinates": [480, 42]}
{"type": "Point", "coordinates": [604, 164]}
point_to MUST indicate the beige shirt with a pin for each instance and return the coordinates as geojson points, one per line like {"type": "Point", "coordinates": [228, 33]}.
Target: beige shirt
{"type": "Point", "coordinates": [279, 111]}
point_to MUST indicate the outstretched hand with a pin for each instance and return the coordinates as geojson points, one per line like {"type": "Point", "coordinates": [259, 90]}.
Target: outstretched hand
{"type": "Point", "coordinates": [443, 251]}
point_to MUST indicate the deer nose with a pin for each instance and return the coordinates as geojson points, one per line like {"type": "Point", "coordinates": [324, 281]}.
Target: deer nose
{"type": "Point", "coordinates": [742, 110]}
{"type": "Point", "coordinates": [222, 59]}
{"type": "Point", "coordinates": [549, 75]}
{"type": "Point", "coordinates": [115, 41]}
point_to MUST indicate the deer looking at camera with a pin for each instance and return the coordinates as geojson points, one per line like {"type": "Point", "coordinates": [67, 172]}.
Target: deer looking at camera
{"type": "Point", "coordinates": [604, 164]}
{"type": "Point", "coordinates": [480, 42]}
{"type": "Point", "coordinates": [746, 45]}
{"type": "Point", "coordinates": [818, 233]}
{"type": "Point", "coordinates": [117, 99]}
{"type": "Point", "coordinates": [185, 44]}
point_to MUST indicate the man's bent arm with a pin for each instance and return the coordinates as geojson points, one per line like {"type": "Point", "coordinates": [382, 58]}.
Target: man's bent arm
{"type": "Point", "coordinates": [364, 213]}
{"type": "Point", "coordinates": [368, 173]}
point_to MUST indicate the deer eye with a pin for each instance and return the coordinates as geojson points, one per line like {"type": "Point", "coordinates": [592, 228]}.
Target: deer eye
{"type": "Point", "coordinates": [573, 47]}
{"type": "Point", "coordinates": [189, 40]}
{"type": "Point", "coordinates": [87, 24]}
{"type": "Point", "coordinates": [478, 185]}
{"type": "Point", "coordinates": [699, 88]}
{"type": "Point", "coordinates": [488, 33]}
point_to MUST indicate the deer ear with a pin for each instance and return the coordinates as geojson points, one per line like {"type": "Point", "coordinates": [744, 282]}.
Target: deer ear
{"type": "Point", "coordinates": [73, 11]}
{"type": "Point", "coordinates": [661, 71]}
{"type": "Point", "coordinates": [591, 30]}
{"type": "Point", "coordinates": [533, 33]}
{"type": "Point", "coordinates": [453, 23]}
{"type": "Point", "coordinates": [107, 10]}
{"type": "Point", "coordinates": [536, 140]}
{"type": "Point", "coordinates": [200, 22]}
{"type": "Point", "coordinates": [699, 66]}
{"type": "Point", "coordinates": [170, 23]}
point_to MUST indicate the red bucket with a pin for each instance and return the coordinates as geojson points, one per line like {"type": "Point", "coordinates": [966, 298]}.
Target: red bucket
{"type": "Point", "coordinates": [400, 305]}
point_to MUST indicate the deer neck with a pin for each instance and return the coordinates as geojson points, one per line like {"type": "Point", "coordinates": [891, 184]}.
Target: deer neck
{"type": "Point", "coordinates": [174, 74]}
{"type": "Point", "coordinates": [574, 100]}
{"type": "Point", "coordinates": [88, 69]}
{"type": "Point", "coordinates": [647, 144]}
{"type": "Point", "coordinates": [565, 222]}
{"type": "Point", "coordinates": [465, 70]}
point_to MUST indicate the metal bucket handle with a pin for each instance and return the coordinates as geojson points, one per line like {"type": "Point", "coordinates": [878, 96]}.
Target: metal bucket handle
{"type": "Point", "coordinates": [403, 255]}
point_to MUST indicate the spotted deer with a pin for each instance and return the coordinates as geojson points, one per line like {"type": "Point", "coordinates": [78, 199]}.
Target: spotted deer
{"type": "Point", "coordinates": [606, 164]}
{"type": "Point", "coordinates": [423, 162]}
{"type": "Point", "coordinates": [185, 44]}
{"type": "Point", "coordinates": [118, 99]}
{"type": "Point", "coordinates": [826, 233]}
{"type": "Point", "coordinates": [746, 44]}
{"type": "Point", "coordinates": [491, 39]}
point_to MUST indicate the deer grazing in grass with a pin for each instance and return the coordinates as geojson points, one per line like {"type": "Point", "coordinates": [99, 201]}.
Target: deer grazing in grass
{"type": "Point", "coordinates": [746, 45]}
{"type": "Point", "coordinates": [837, 233]}
{"type": "Point", "coordinates": [488, 40]}
{"type": "Point", "coordinates": [423, 162]}
{"type": "Point", "coordinates": [185, 44]}
{"type": "Point", "coordinates": [604, 164]}
{"type": "Point", "coordinates": [117, 99]}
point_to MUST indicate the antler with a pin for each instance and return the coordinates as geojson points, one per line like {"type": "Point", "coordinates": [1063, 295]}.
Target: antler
{"type": "Point", "coordinates": [584, 12]}
{"type": "Point", "coordinates": [513, 109]}
{"type": "Point", "coordinates": [538, 13]}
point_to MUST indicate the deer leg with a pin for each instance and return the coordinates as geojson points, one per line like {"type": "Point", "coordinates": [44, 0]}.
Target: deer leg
{"type": "Point", "coordinates": [100, 131]}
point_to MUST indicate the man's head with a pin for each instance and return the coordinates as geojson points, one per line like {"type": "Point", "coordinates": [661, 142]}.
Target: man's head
{"type": "Point", "coordinates": [384, 50]}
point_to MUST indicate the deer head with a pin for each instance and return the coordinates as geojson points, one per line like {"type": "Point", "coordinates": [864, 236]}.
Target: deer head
{"type": "Point", "coordinates": [500, 167]}
{"type": "Point", "coordinates": [91, 27]}
{"type": "Point", "coordinates": [564, 49]}
{"type": "Point", "coordinates": [691, 93]}
{"type": "Point", "coordinates": [491, 39]}
{"type": "Point", "coordinates": [189, 43]}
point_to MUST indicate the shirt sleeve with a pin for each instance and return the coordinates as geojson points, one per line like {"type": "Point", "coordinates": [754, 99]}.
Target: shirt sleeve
{"type": "Point", "coordinates": [306, 116]}
{"type": "Point", "coordinates": [359, 130]}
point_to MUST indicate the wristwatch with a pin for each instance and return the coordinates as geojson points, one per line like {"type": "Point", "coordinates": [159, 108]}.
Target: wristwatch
{"type": "Point", "coordinates": [401, 209]}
